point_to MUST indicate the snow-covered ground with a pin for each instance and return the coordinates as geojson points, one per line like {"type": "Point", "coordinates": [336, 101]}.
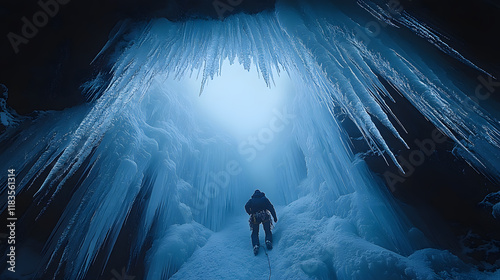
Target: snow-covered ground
{"type": "Point", "coordinates": [228, 254]}
{"type": "Point", "coordinates": [308, 248]}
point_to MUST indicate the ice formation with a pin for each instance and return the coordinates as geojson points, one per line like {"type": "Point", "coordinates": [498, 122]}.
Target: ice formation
{"type": "Point", "coordinates": [8, 117]}
{"type": "Point", "coordinates": [145, 174]}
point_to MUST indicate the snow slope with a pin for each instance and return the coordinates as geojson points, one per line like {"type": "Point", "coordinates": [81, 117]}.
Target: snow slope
{"type": "Point", "coordinates": [228, 254]}
{"type": "Point", "coordinates": [309, 248]}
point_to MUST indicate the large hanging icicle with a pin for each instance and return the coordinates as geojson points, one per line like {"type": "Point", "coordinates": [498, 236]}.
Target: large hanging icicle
{"type": "Point", "coordinates": [395, 14]}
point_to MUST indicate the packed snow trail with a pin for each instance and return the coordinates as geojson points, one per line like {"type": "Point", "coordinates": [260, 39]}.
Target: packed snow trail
{"type": "Point", "coordinates": [228, 254]}
{"type": "Point", "coordinates": [309, 247]}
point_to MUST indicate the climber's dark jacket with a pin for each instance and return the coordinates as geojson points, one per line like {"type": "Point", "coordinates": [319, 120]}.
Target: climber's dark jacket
{"type": "Point", "coordinates": [259, 202]}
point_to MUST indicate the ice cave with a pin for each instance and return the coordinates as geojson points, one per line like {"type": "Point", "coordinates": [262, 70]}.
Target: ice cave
{"type": "Point", "coordinates": [368, 129]}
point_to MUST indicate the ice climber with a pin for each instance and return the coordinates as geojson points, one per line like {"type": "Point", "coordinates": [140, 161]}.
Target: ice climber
{"type": "Point", "coordinates": [260, 210]}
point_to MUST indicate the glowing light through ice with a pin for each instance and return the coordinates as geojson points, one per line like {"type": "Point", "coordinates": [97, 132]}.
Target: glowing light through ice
{"type": "Point", "coordinates": [239, 100]}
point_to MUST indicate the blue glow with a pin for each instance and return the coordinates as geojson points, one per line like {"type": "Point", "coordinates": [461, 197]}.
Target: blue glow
{"type": "Point", "coordinates": [239, 101]}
